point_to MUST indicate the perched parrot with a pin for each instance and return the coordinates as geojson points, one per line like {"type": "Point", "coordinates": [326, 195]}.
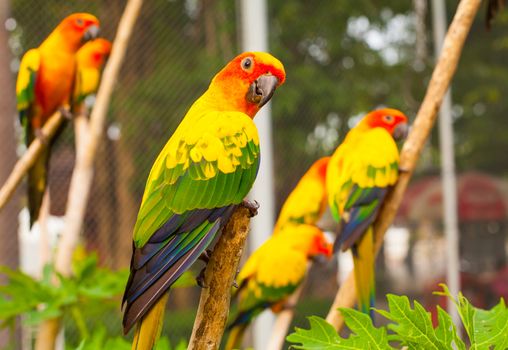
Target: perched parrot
{"type": "Point", "coordinates": [44, 84]}
{"type": "Point", "coordinates": [273, 272]}
{"type": "Point", "coordinates": [205, 170]}
{"type": "Point", "coordinates": [307, 202]}
{"type": "Point", "coordinates": [359, 174]}
{"type": "Point", "coordinates": [90, 59]}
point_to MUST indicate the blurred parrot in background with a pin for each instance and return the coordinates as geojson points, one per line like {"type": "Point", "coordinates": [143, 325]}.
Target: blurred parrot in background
{"type": "Point", "coordinates": [44, 84]}
{"type": "Point", "coordinates": [273, 272]}
{"type": "Point", "coordinates": [205, 170]}
{"type": "Point", "coordinates": [307, 202]}
{"type": "Point", "coordinates": [90, 60]}
{"type": "Point", "coordinates": [359, 174]}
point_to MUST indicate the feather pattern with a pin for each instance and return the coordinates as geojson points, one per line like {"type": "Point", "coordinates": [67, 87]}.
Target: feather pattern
{"type": "Point", "coordinates": [359, 174]}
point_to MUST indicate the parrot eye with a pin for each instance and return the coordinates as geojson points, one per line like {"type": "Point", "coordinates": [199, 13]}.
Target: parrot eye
{"type": "Point", "coordinates": [79, 22]}
{"type": "Point", "coordinates": [388, 118]}
{"type": "Point", "coordinates": [247, 64]}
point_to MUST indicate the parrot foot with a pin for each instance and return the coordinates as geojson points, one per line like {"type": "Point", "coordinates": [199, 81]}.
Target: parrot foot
{"type": "Point", "coordinates": [205, 256]}
{"type": "Point", "coordinates": [200, 278]}
{"type": "Point", "coordinates": [403, 170]}
{"type": "Point", "coordinates": [252, 206]}
{"type": "Point", "coordinates": [235, 284]}
{"type": "Point", "coordinates": [66, 113]}
{"type": "Point", "coordinates": [41, 136]}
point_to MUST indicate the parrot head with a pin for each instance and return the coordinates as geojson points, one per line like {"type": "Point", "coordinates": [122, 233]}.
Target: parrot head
{"type": "Point", "coordinates": [392, 120]}
{"type": "Point", "coordinates": [307, 238]}
{"type": "Point", "coordinates": [248, 82]}
{"type": "Point", "coordinates": [78, 28]}
{"type": "Point", "coordinates": [94, 53]}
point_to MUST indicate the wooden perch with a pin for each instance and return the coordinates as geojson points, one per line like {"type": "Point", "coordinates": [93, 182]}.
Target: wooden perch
{"type": "Point", "coordinates": [422, 126]}
{"type": "Point", "coordinates": [283, 320]}
{"type": "Point", "coordinates": [220, 273]}
{"type": "Point", "coordinates": [28, 159]}
{"type": "Point", "coordinates": [82, 176]}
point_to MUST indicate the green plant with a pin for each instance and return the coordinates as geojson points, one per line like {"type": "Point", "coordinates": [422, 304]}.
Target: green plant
{"type": "Point", "coordinates": [410, 327]}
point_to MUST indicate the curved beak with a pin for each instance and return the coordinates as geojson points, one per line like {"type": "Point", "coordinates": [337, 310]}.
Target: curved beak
{"type": "Point", "coordinates": [262, 89]}
{"type": "Point", "coordinates": [400, 132]}
{"type": "Point", "coordinates": [91, 33]}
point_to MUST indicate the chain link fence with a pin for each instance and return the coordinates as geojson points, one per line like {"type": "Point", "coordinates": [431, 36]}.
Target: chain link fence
{"type": "Point", "coordinates": [341, 59]}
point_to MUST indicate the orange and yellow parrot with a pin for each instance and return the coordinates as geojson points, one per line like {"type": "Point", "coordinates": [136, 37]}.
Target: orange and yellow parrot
{"type": "Point", "coordinates": [205, 170]}
{"type": "Point", "coordinates": [44, 84]}
{"type": "Point", "coordinates": [307, 202]}
{"type": "Point", "coordinates": [359, 174]}
{"type": "Point", "coordinates": [273, 272]}
{"type": "Point", "coordinates": [90, 59]}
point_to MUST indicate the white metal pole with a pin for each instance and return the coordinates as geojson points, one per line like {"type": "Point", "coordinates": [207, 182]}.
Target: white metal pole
{"type": "Point", "coordinates": [254, 24]}
{"type": "Point", "coordinates": [449, 181]}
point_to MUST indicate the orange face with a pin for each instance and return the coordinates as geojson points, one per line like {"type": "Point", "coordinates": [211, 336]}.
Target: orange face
{"type": "Point", "coordinates": [250, 80]}
{"type": "Point", "coordinates": [392, 120]}
{"type": "Point", "coordinates": [79, 27]}
{"type": "Point", "coordinates": [320, 245]}
{"type": "Point", "coordinates": [94, 53]}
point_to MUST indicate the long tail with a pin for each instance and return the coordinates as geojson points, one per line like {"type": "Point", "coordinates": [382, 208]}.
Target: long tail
{"type": "Point", "coordinates": [235, 336]}
{"type": "Point", "coordinates": [149, 328]}
{"type": "Point", "coordinates": [37, 182]}
{"type": "Point", "coordinates": [363, 259]}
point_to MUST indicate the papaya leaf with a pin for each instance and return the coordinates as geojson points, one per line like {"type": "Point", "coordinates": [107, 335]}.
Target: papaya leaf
{"type": "Point", "coordinates": [485, 328]}
{"type": "Point", "coordinates": [322, 335]}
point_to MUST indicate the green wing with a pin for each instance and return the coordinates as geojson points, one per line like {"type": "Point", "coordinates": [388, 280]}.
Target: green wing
{"type": "Point", "coordinates": [25, 84]}
{"type": "Point", "coordinates": [206, 169]}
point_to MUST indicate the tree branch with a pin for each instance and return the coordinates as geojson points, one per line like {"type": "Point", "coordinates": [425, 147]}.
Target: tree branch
{"type": "Point", "coordinates": [28, 159]}
{"type": "Point", "coordinates": [83, 172]}
{"type": "Point", "coordinates": [219, 276]}
{"type": "Point", "coordinates": [422, 126]}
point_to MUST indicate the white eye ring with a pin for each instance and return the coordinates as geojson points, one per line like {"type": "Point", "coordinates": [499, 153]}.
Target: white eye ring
{"type": "Point", "coordinates": [388, 118]}
{"type": "Point", "coordinates": [247, 64]}
{"type": "Point", "coordinates": [79, 22]}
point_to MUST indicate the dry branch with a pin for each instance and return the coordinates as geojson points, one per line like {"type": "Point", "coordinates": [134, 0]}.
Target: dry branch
{"type": "Point", "coordinates": [283, 321]}
{"type": "Point", "coordinates": [83, 172]}
{"type": "Point", "coordinates": [425, 118]}
{"type": "Point", "coordinates": [28, 159]}
{"type": "Point", "coordinates": [219, 276]}
{"type": "Point", "coordinates": [87, 144]}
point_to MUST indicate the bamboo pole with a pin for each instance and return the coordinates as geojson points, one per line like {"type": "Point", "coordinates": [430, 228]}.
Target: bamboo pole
{"type": "Point", "coordinates": [81, 181]}
{"type": "Point", "coordinates": [283, 321]}
{"type": "Point", "coordinates": [220, 272]}
{"type": "Point", "coordinates": [28, 159]}
{"type": "Point", "coordinates": [422, 126]}
{"type": "Point", "coordinates": [82, 176]}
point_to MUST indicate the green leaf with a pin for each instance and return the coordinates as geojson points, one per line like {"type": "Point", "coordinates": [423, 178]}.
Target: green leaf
{"type": "Point", "coordinates": [413, 327]}
{"type": "Point", "coordinates": [322, 335]}
{"type": "Point", "coordinates": [485, 329]}
{"type": "Point", "coordinates": [446, 330]}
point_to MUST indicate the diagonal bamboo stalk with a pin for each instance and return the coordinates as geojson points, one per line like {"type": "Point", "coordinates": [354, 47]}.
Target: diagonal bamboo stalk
{"type": "Point", "coordinates": [28, 159]}
{"type": "Point", "coordinates": [83, 172]}
{"type": "Point", "coordinates": [422, 126]}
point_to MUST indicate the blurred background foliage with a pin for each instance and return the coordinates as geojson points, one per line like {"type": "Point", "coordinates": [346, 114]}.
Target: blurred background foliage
{"type": "Point", "coordinates": [342, 58]}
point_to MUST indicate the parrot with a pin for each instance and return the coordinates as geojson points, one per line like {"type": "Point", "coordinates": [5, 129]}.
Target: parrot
{"type": "Point", "coordinates": [273, 272]}
{"type": "Point", "coordinates": [201, 175]}
{"type": "Point", "coordinates": [359, 174]}
{"type": "Point", "coordinates": [90, 59]}
{"type": "Point", "coordinates": [45, 84]}
{"type": "Point", "coordinates": [307, 202]}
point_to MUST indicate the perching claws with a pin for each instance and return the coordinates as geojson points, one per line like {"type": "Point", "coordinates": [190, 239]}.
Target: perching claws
{"type": "Point", "coordinates": [200, 278]}
{"type": "Point", "coordinates": [252, 206]}
{"type": "Point", "coordinates": [41, 136]}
